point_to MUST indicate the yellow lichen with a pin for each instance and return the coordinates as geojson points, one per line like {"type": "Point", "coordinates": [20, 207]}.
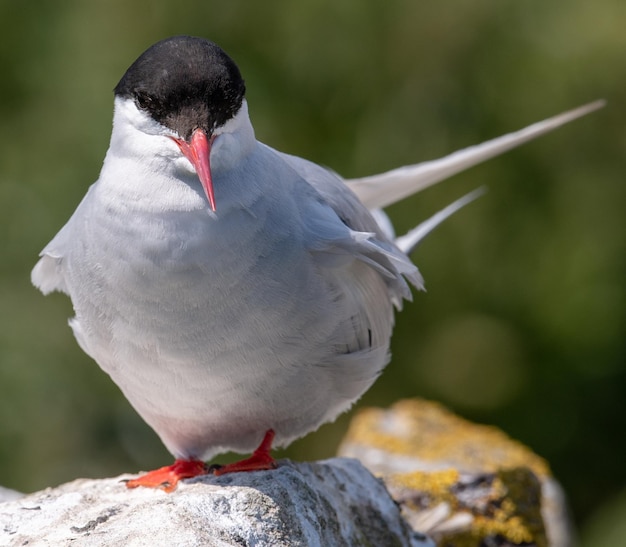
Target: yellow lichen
{"type": "Point", "coordinates": [427, 431]}
{"type": "Point", "coordinates": [436, 483]}
{"type": "Point", "coordinates": [510, 507]}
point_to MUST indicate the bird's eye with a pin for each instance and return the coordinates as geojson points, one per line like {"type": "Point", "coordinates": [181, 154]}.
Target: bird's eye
{"type": "Point", "coordinates": [143, 100]}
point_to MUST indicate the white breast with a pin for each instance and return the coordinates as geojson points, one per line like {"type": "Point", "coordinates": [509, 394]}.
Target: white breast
{"type": "Point", "coordinates": [218, 326]}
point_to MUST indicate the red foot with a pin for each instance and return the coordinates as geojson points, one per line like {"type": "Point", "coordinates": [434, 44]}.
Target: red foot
{"type": "Point", "coordinates": [167, 477]}
{"type": "Point", "coordinates": [260, 460]}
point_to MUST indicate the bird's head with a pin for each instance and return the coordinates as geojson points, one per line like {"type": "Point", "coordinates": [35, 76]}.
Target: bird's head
{"type": "Point", "coordinates": [192, 91]}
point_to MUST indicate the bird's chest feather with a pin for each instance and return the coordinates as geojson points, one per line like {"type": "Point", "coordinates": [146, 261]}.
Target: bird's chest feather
{"type": "Point", "coordinates": [170, 284]}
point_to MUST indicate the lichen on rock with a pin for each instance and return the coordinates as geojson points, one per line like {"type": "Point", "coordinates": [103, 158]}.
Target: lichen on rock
{"type": "Point", "coordinates": [462, 483]}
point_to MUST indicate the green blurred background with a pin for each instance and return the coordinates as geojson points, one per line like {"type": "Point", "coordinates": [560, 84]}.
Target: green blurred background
{"type": "Point", "coordinates": [523, 324]}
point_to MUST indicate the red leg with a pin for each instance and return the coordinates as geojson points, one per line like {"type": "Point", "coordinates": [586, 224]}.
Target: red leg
{"type": "Point", "coordinates": [260, 460]}
{"type": "Point", "coordinates": [167, 477]}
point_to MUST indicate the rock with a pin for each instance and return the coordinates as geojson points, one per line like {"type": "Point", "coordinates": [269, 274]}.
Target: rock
{"type": "Point", "coordinates": [335, 502]}
{"type": "Point", "coordinates": [459, 509]}
{"type": "Point", "coordinates": [460, 482]}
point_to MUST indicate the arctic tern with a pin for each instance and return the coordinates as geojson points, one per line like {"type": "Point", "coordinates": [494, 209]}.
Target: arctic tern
{"type": "Point", "coordinates": [239, 297]}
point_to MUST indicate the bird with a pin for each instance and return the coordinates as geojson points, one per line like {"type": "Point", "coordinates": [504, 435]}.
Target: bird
{"type": "Point", "coordinates": [239, 297]}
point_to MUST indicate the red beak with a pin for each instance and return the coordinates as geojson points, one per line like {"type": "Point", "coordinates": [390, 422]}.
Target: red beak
{"type": "Point", "coordinates": [198, 152]}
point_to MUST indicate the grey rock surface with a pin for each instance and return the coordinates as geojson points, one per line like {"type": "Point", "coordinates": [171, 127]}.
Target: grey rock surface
{"type": "Point", "coordinates": [334, 502]}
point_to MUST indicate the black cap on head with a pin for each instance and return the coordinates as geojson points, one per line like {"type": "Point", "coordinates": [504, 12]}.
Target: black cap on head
{"type": "Point", "coordinates": [185, 83]}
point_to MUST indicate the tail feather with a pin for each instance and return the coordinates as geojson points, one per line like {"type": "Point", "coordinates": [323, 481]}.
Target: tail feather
{"type": "Point", "coordinates": [381, 190]}
{"type": "Point", "coordinates": [409, 241]}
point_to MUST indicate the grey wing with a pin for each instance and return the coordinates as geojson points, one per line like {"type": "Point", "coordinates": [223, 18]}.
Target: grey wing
{"type": "Point", "coordinates": [48, 275]}
{"type": "Point", "coordinates": [368, 241]}
{"type": "Point", "coordinates": [337, 194]}
{"type": "Point", "coordinates": [366, 269]}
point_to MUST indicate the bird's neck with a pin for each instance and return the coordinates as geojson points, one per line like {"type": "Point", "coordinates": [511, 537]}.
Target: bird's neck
{"type": "Point", "coordinates": [144, 165]}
